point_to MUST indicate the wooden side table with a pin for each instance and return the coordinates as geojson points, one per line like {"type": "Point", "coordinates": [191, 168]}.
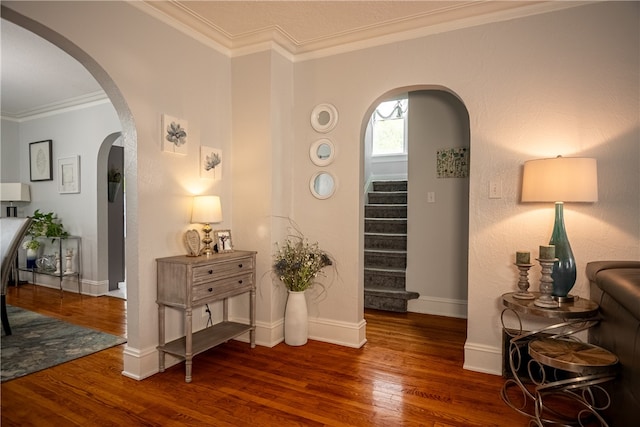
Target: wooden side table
{"type": "Point", "coordinates": [560, 364]}
{"type": "Point", "coordinates": [185, 283]}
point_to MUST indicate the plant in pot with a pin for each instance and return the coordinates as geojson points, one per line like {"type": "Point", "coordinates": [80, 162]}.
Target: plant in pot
{"type": "Point", "coordinates": [42, 225]}
{"type": "Point", "coordinates": [114, 178]}
{"type": "Point", "coordinates": [297, 263]}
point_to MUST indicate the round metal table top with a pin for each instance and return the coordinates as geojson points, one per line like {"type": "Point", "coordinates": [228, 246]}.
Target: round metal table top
{"type": "Point", "coordinates": [580, 308]}
{"type": "Point", "coordinates": [572, 356]}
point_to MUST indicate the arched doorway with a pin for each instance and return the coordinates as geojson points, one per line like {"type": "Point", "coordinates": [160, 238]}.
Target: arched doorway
{"type": "Point", "coordinates": [437, 202]}
{"type": "Point", "coordinates": [129, 142]}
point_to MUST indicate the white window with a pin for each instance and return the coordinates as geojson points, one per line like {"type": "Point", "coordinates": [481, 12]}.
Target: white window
{"type": "Point", "coordinates": [390, 128]}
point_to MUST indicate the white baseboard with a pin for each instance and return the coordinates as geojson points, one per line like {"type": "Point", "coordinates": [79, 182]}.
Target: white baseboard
{"type": "Point", "coordinates": [342, 333]}
{"type": "Point", "coordinates": [141, 364]}
{"type": "Point", "coordinates": [70, 284]}
{"type": "Point", "coordinates": [482, 358]}
{"type": "Point", "coordinates": [439, 307]}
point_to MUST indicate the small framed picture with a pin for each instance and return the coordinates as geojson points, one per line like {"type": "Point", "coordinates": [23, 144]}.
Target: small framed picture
{"type": "Point", "coordinates": [223, 240]}
{"type": "Point", "coordinates": [174, 135]}
{"type": "Point", "coordinates": [69, 175]}
{"type": "Point", "coordinates": [210, 163]}
{"type": "Point", "coordinates": [40, 162]}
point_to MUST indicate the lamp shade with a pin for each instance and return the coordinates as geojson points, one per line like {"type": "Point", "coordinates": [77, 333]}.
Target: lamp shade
{"type": "Point", "coordinates": [14, 192]}
{"type": "Point", "coordinates": [206, 210]}
{"type": "Point", "coordinates": [561, 179]}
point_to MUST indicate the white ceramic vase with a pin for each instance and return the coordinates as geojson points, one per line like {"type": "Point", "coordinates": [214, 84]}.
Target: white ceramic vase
{"type": "Point", "coordinates": [296, 329]}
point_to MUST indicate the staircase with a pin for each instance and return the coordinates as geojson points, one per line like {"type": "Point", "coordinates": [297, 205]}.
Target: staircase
{"type": "Point", "coordinates": [385, 247]}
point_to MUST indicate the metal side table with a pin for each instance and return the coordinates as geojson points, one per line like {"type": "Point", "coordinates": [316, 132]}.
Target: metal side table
{"type": "Point", "coordinates": [562, 371]}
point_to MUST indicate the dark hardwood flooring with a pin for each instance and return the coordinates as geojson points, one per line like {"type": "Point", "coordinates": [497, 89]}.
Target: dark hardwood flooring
{"type": "Point", "coordinates": [408, 374]}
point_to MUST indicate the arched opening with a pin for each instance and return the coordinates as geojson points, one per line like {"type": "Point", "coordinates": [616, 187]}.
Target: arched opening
{"type": "Point", "coordinates": [432, 277]}
{"type": "Point", "coordinates": [128, 136]}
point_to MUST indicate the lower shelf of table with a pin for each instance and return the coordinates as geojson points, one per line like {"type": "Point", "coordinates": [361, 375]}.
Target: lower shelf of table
{"type": "Point", "coordinates": [206, 338]}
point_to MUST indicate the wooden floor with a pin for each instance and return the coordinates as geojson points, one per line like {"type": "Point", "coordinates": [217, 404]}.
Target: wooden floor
{"type": "Point", "coordinates": [408, 374]}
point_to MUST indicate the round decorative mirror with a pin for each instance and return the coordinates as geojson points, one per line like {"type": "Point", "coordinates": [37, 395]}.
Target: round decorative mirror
{"type": "Point", "coordinates": [324, 118]}
{"type": "Point", "coordinates": [322, 185]}
{"type": "Point", "coordinates": [322, 152]}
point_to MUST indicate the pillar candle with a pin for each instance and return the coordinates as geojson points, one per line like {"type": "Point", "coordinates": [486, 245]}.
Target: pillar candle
{"type": "Point", "coordinates": [547, 252]}
{"type": "Point", "coordinates": [523, 257]}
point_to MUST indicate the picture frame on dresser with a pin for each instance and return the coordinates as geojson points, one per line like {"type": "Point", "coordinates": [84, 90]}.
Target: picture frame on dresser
{"type": "Point", "coordinates": [223, 240]}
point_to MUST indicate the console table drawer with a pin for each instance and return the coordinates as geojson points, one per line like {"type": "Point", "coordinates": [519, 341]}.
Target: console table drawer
{"type": "Point", "coordinates": [206, 273]}
{"type": "Point", "coordinates": [221, 288]}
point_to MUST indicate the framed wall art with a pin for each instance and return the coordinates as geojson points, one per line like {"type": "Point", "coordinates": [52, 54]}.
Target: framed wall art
{"type": "Point", "coordinates": [223, 240]}
{"type": "Point", "coordinates": [40, 162]}
{"type": "Point", "coordinates": [69, 175]}
{"type": "Point", "coordinates": [174, 135]}
{"type": "Point", "coordinates": [210, 163]}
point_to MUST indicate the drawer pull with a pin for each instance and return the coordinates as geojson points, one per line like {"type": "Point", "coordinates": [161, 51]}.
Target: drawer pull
{"type": "Point", "coordinates": [210, 271]}
{"type": "Point", "coordinates": [210, 289]}
{"type": "Point", "coordinates": [240, 282]}
{"type": "Point", "coordinates": [239, 265]}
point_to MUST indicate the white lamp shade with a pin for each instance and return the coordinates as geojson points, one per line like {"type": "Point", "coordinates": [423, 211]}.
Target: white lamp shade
{"type": "Point", "coordinates": [206, 210]}
{"type": "Point", "coordinates": [14, 192]}
{"type": "Point", "coordinates": [561, 179]}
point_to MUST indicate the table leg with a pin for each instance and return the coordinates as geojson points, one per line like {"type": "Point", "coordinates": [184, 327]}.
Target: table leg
{"type": "Point", "coordinates": [188, 363]}
{"type": "Point", "coordinates": [161, 353]}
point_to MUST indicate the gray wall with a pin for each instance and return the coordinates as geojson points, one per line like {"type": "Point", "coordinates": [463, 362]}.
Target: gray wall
{"type": "Point", "coordinates": [437, 241]}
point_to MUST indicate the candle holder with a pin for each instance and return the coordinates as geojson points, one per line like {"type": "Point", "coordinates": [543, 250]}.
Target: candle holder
{"type": "Point", "coordinates": [545, 299]}
{"type": "Point", "coordinates": [523, 282]}
{"type": "Point", "coordinates": [69, 262]}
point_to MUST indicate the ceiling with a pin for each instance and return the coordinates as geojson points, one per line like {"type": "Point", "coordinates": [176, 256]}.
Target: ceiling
{"type": "Point", "coordinates": [38, 77]}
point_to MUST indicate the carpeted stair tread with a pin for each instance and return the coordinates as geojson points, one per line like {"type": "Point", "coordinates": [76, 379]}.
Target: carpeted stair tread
{"type": "Point", "coordinates": [392, 293]}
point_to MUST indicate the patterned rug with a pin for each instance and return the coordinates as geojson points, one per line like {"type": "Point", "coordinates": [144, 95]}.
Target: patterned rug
{"type": "Point", "coordinates": [39, 342]}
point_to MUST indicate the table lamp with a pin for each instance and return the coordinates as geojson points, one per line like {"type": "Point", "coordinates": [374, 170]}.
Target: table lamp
{"type": "Point", "coordinates": [14, 192]}
{"type": "Point", "coordinates": [206, 210]}
{"type": "Point", "coordinates": [560, 180]}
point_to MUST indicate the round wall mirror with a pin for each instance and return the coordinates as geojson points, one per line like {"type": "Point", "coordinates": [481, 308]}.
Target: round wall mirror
{"type": "Point", "coordinates": [324, 118]}
{"type": "Point", "coordinates": [322, 185]}
{"type": "Point", "coordinates": [322, 152]}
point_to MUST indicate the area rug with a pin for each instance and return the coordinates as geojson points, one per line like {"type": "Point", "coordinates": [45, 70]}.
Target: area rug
{"type": "Point", "coordinates": [39, 342]}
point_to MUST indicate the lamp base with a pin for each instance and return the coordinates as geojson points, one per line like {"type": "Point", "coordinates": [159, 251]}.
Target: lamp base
{"type": "Point", "coordinates": [12, 211]}
{"type": "Point", "coordinates": [207, 250]}
{"type": "Point", "coordinates": [562, 300]}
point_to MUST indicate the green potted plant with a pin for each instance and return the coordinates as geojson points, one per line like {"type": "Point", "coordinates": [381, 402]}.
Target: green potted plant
{"type": "Point", "coordinates": [114, 178]}
{"type": "Point", "coordinates": [42, 225]}
{"type": "Point", "coordinates": [46, 225]}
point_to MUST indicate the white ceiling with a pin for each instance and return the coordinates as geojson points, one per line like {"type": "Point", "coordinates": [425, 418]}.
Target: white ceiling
{"type": "Point", "coordinates": [38, 77]}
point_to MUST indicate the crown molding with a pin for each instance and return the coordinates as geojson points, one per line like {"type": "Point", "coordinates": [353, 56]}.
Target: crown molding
{"type": "Point", "coordinates": [70, 104]}
{"type": "Point", "coordinates": [462, 15]}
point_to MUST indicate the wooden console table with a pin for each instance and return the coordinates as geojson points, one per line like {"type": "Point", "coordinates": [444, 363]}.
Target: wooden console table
{"type": "Point", "coordinates": [185, 283]}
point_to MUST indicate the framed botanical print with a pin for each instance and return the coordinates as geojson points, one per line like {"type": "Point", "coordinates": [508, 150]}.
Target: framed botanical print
{"type": "Point", "coordinates": [40, 163]}
{"type": "Point", "coordinates": [69, 175]}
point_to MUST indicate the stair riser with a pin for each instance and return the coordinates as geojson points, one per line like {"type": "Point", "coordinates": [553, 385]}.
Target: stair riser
{"type": "Point", "coordinates": [384, 260]}
{"type": "Point", "coordinates": [386, 304]}
{"type": "Point", "coordinates": [390, 186]}
{"type": "Point", "coordinates": [385, 242]}
{"type": "Point", "coordinates": [382, 211]}
{"type": "Point", "coordinates": [387, 198]}
{"type": "Point", "coordinates": [385, 226]}
{"type": "Point", "coordinates": [382, 281]}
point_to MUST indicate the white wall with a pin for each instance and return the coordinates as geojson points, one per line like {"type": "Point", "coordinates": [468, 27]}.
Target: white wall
{"type": "Point", "coordinates": [10, 151]}
{"type": "Point", "coordinates": [559, 83]}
